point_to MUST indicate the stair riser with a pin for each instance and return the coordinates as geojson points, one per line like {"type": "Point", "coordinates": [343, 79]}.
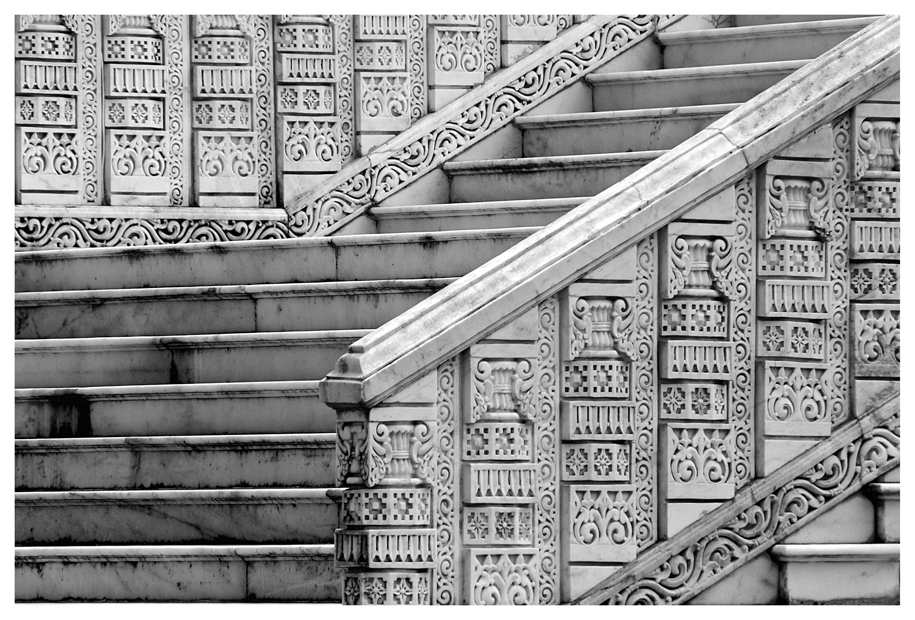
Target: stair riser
{"type": "Point", "coordinates": [222, 415]}
{"type": "Point", "coordinates": [799, 45]}
{"type": "Point", "coordinates": [176, 316]}
{"type": "Point", "coordinates": [306, 580]}
{"type": "Point", "coordinates": [551, 183]}
{"type": "Point", "coordinates": [680, 92]}
{"type": "Point", "coordinates": [78, 367]}
{"type": "Point", "coordinates": [614, 136]}
{"type": "Point", "coordinates": [425, 258]}
{"type": "Point", "coordinates": [286, 522]}
{"type": "Point", "coordinates": [192, 468]}
{"type": "Point", "coordinates": [476, 221]}
{"type": "Point", "coordinates": [868, 582]}
{"type": "Point", "coordinates": [764, 20]}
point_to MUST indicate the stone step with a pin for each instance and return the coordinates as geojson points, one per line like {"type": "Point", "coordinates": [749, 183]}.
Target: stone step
{"type": "Point", "coordinates": [618, 132]}
{"type": "Point", "coordinates": [272, 516]}
{"type": "Point", "coordinates": [748, 44]}
{"type": "Point", "coordinates": [211, 358]}
{"type": "Point", "coordinates": [472, 215]}
{"type": "Point", "coordinates": [662, 88]}
{"type": "Point", "coordinates": [885, 496]}
{"type": "Point", "coordinates": [762, 20]}
{"type": "Point", "coordinates": [182, 462]}
{"type": "Point", "coordinates": [542, 177]}
{"type": "Point", "coordinates": [318, 259]}
{"type": "Point", "coordinates": [194, 409]}
{"type": "Point", "coordinates": [838, 573]}
{"type": "Point", "coordinates": [220, 309]}
{"type": "Point", "coordinates": [302, 573]}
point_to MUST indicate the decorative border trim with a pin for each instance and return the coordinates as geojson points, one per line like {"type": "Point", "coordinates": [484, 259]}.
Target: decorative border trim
{"type": "Point", "coordinates": [446, 500]}
{"type": "Point", "coordinates": [681, 568]}
{"type": "Point", "coordinates": [444, 134]}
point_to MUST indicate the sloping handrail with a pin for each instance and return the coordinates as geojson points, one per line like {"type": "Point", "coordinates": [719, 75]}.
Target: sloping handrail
{"type": "Point", "coordinates": [440, 136]}
{"type": "Point", "coordinates": [410, 345]}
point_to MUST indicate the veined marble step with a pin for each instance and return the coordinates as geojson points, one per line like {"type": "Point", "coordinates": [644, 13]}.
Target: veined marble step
{"type": "Point", "coordinates": [838, 573]}
{"type": "Point", "coordinates": [542, 177]}
{"type": "Point", "coordinates": [618, 131]}
{"type": "Point", "coordinates": [260, 573]}
{"type": "Point", "coordinates": [762, 20]}
{"type": "Point", "coordinates": [192, 409]}
{"type": "Point", "coordinates": [662, 88]}
{"type": "Point", "coordinates": [273, 516]}
{"type": "Point", "coordinates": [211, 358]}
{"type": "Point", "coordinates": [316, 259]}
{"type": "Point", "coordinates": [747, 44]}
{"type": "Point", "coordinates": [472, 215]}
{"type": "Point", "coordinates": [182, 462]}
{"type": "Point", "coordinates": [218, 309]}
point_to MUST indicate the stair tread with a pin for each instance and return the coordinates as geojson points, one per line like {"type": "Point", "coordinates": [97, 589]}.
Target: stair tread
{"type": "Point", "coordinates": [126, 553]}
{"type": "Point", "coordinates": [192, 442]}
{"type": "Point", "coordinates": [451, 208]}
{"type": "Point", "coordinates": [196, 340]}
{"type": "Point", "coordinates": [169, 390]}
{"type": "Point", "coordinates": [179, 496]}
{"type": "Point", "coordinates": [694, 72]}
{"type": "Point", "coordinates": [587, 118]}
{"type": "Point", "coordinates": [766, 30]}
{"type": "Point", "coordinates": [836, 551]}
{"type": "Point", "coordinates": [556, 161]}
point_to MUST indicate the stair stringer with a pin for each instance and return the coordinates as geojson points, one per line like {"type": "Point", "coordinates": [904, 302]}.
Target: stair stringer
{"type": "Point", "coordinates": [761, 515]}
{"type": "Point", "coordinates": [408, 392]}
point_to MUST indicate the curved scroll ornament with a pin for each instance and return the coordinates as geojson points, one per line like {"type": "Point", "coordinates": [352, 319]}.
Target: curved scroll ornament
{"type": "Point", "coordinates": [877, 145]}
{"type": "Point", "coordinates": [261, 32]}
{"type": "Point", "coordinates": [343, 47]}
{"type": "Point", "coordinates": [503, 386]}
{"type": "Point", "coordinates": [602, 517]}
{"type": "Point", "coordinates": [399, 452]}
{"type": "Point", "coordinates": [173, 28]}
{"type": "Point", "coordinates": [798, 204]}
{"type": "Point", "coordinates": [645, 389]}
{"type": "Point", "coordinates": [837, 271]}
{"type": "Point", "coordinates": [458, 50]}
{"type": "Point", "coordinates": [351, 444]}
{"type": "Point", "coordinates": [446, 501]}
{"type": "Point", "coordinates": [604, 324]}
{"type": "Point", "coordinates": [546, 445]}
{"type": "Point", "coordinates": [50, 152]}
{"type": "Point", "coordinates": [699, 455]}
{"type": "Point", "coordinates": [491, 38]}
{"type": "Point", "coordinates": [382, 179]}
{"type": "Point", "coordinates": [416, 65]}
{"type": "Point", "coordinates": [701, 563]}
{"type": "Point", "coordinates": [742, 292]}
{"type": "Point", "coordinates": [108, 232]}
{"type": "Point", "coordinates": [88, 31]}
{"type": "Point", "coordinates": [797, 396]}
{"type": "Point", "coordinates": [877, 337]}
{"type": "Point", "coordinates": [504, 579]}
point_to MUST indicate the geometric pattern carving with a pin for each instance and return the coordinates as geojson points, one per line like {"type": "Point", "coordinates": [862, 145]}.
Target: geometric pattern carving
{"type": "Point", "coordinates": [217, 50]}
{"type": "Point", "coordinates": [793, 299]}
{"type": "Point", "coordinates": [875, 240]}
{"type": "Point", "coordinates": [222, 115]}
{"type": "Point", "coordinates": [497, 441]}
{"type": "Point", "coordinates": [134, 113]}
{"type": "Point", "coordinates": [498, 525]}
{"type": "Point", "coordinates": [387, 588]}
{"type": "Point", "coordinates": [596, 378]}
{"type": "Point", "coordinates": [388, 548]}
{"type": "Point", "coordinates": [797, 339]}
{"type": "Point", "coordinates": [695, 359]}
{"type": "Point", "coordinates": [874, 281]}
{"type": "Point", "coordinates": [694, 317]}
{"type": "Point", "coordinates": [133, 49]}
{"type": "Point", "coordinates": [694, 401]}
{"type": "Point", "coordinates": [596, 462]}
{"type": "Point", "coordinates": [381, 506]}
{"type": "Point", "coordinates": [598, 420]}
{"type": "Point", "coordinates": [792, 257]}
{"type": "Point", "coordinates": [47, 78]}
{"type": "Point", "coordinates": [44, 44]}
{"type": "Point", "coordinates": [875, 199]}
{"type": "Point", "coordinates": [487, 483]}
{"type": "Point", "coordinates": [46, 111]}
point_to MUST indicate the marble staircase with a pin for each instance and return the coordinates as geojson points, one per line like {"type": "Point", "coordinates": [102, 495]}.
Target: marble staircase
{"type": "Point", "coordinates": [170, 444]}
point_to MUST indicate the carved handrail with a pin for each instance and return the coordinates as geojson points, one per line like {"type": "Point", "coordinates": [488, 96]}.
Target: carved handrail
{"type": "Point", "coordinates": [440, 136]}
{"type": "Point", "coordinates": [760, 515]}
{"type": "Point", "coordinates": [603, 227]}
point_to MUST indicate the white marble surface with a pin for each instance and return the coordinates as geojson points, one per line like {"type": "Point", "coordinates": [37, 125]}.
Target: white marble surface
{"type": "Point", "coordinates": [754, 583]}
{"type": "Point", "coordinates": [850, 521]}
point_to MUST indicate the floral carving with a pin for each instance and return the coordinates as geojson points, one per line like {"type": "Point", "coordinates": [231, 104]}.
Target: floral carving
{"type": "Point", "coordinates": [384, 95]}
{"type": "Point", "coordinates": [50, 152]}
{"type": "Point", "coordinates": [699, 455]}
{"type": "Point", "coordinates": [876, 335]}
{"type": "Point", "coordinates": [644, 393]}
{"type": "Point", "coordinates": [795, 393]}
{"type": "Point", "coordinates": [601, 325]}
{"type": "Point", "coordinates": [602, 523]}
{"type": "Point", "coordinates": [458, 50]}
{"type": "Point", "coordinates": [225, 155]}
{"type": "Point", "coordinates": [503, 577]}
{"type": "Point", "coordinates": [138, 155]}
{"type": "Point", "coordinates": [546, 444]}
{"type": "Point", "coordinates": [307, 140]}
{"type": "Point", "coordinates": [446, 493]}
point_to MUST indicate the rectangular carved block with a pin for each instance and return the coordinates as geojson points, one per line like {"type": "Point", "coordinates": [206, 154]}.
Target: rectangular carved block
{"type": "Point", "coordinates": [875, 140]}
{"type": "Point", "coordinates": [228, 114]}
{"type": "Point", "coordinates": [792, 257]}
{"type": "Point", "coordinates": [383, 506]}
{"type": "Point", "coordinates": [47, 45]}
{"type": "Point", "coordinates": [792, 399]}
{"type": "Point", "coordinates": [508, 483]}
{"type": "Point", "coordinates": [502, 576]}
{"type": "Point", "coordinates": [388, 548]}
{"type": "Point", "coordinates": [311, 145]}
{"type": "Point", "coordinates": [223, 81]}
{"type": "Point", "coordinates": [221, 50]}
{"type": "Point", "coordinates": [596, 462]}
{"type": "Point", "coordinates": [694, 317]}
{"type": "Point", "coordinates": [384, 101]}
{"type": "Point", "coordinates": [135, 80]}
{"type": "Point", "coordinates": [134, 113]}
{"type": "Point", "coordinates": [48, 78]}
{"type": "Point", "coordinates": [875, 199]}
{"type": "Point", "coordinates": [792, 197]}
{"type": "Point", "coordinates": [226, 163]}
{"type": "Point", "coordinates": [582, 419]}
{"type": "Point", "coordinates": [596, 320]}
{"type": "Point", "coordinates": [306, 99]}
{"type": "Point", "coordinates": [137, 162]}
{"type": "Point", "coordinates": [697, 461]}
{"type": "Point", "coordinates": [694, 401]}
{"type": "Point", "coordinates": [457, 59]}
{"type": "Point", "coordinates": [380, 27]}
{"type": "Point", "coordinates": [874, 281]}
{"type": "Point", "coordinates": [500, 382]}
{"type": "Point", "coordinates": [305, 38]}
{"type": "Point", "coordinates": [40, 110]}
{"type": "Point", "coordinates": [793, 299]}
{"type": "Point", "coordinates": [497, 441]}
{"type": "Point", "coordinates": [695, 359]}
{"type": "Point", "coordinates": [498, 525]}
{"type": "Point", "coordinates": [387, 588]}
{"type": "Point", "coordinates": [133, 49]}
{"type": "Point", "coordinates": [598, 523]}
{"type": "Point", "coordinates": [876, 334]}
{"type": "Point", "coordinates": [380, 56]}
{"type": "Point", "coordinates": [47, 165]}
{"type": "Point", "coordinates": [596, 378]}
{"type": "Point", "coordinates": [304, 68]}
{"type": "Point", "coordinates": [875, 240]}
{"type": "Point", "coordinates": [796, 339]}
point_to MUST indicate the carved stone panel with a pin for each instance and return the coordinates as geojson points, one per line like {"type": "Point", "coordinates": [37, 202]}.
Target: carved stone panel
{"type": "Point", "coordinates": [793, 398]}
{"type": "Point", "coordinates": [502, 576]}
{"type": "Point", "coordinates": [876, 334]}
{"type": "Point", "coordinates": [385, 548]}
{"type": "Point", "coordinates": [698, 461]}
{"type": "Point", "coordinates": [387, 588]}
{"type": "Point", "coordinates": [599, 523]}
{"type": "Point", "coordinates": [876, 139]}
{"type": "Point", "coordinates": [499, 381]}
{"type": "Point", "coordinates": [793, 198]}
